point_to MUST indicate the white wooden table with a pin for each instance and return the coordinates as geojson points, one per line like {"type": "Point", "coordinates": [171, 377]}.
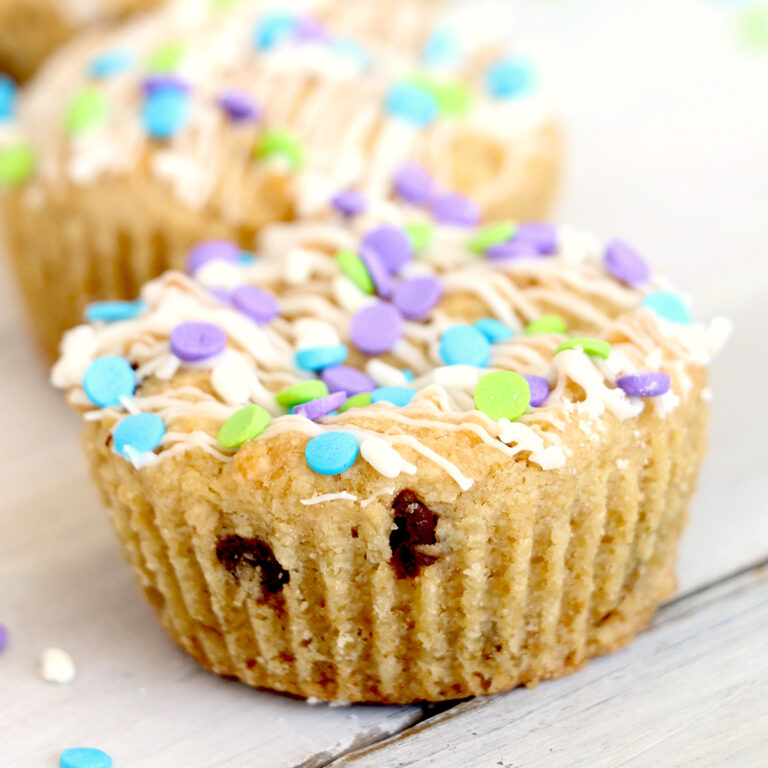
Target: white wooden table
{"type": "Point", "coordinates": [668, 121]}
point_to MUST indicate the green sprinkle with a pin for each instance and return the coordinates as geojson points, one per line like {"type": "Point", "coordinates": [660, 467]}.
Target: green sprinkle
{"type": "Point", "coordinates": [595, 347]}
{"type": "Point", "coordinates": [277, 142]}
{"type": "Point", "coordinates": [247, 424]}
{"type": "Point", "coordinates": [546, 324]}
{"type": "Point", "coordinates": [420, 233]}
{"type": "Point", "coordinates": [223, 5]}
{"type": "Point", "coordinates": [502, 395]}
{"type": "Point", "coordinates": [17, 162]}
{"type": "Point", "coordinates": [356, 401]}
{"type": "Point", "coordinates": [754, 26]}
{"type": "Point", "coordinates": [451, 96]}
{"type": "Point", "coordinates": [166, 58]}
{"type": "Point", "coordinates": [491, 235]}
{"type": "Point", "coordinates": [301, 393]}
{"type": "Point", "coordinates": [87, 109]}
{"type": "Point", "coordinates": [354, 268]}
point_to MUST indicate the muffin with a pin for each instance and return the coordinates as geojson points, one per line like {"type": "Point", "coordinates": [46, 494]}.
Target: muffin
{"type": "Point", "coordinates": [438, 462]}
{"type": "Point", "coordinates": [203, 120]}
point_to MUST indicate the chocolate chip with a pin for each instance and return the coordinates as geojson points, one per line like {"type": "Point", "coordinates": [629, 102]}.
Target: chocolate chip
{"type": "Point", "coordinates": [415, 526]}
{"type": "Point", "coordinates": [234, 552]}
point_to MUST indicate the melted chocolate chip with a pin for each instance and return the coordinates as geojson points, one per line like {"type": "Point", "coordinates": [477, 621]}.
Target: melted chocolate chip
{"type": "Point", "coordinates": [415, 526]}
{"type": "Point", "coordinates": [235, 551]}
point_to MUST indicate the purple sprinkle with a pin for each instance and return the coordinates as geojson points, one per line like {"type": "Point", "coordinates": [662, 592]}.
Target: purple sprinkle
{"type": "Point", "coordinates": [513, 249]}
{"type": "Point", "coordinates": [539, 387]}
{"type": "Point", "coordinates": [349, 202]}
{"type": "Point", "coordinates": [258, 304]}
{"type": "Point", "coordinates": [450, 208]}
{"type": "Point", "coordinates": [542, 236]}
{"type": "Point", "coordinates": [197, 341]}
{"type": "Point", "coordinates": [322, 406]}
{"type": "Point", "coordinates": [651, 384]}
{"type": "Point", "coordinates": [382, 281]}
{"type": "Point", "coordinates": [376, 328]}
{"type": "Point", "coordinates": [3, 636]}
{"type": "Point", "coordinates": [310, 30]}
{"type": "Point", "coordinates": [417, 296]}
{"type": "Point", "coordinates": [239, 107]}
{"type": "Point", "coordinates": [154, 83]}
{"type": "Point", "coordinates": [625, 264]}
{"type": "Point", "coordinates": [391, 244]}
{"type": "Point", "coordinates": [222, 294]}
{"type": "Point", "coordinates": [414, 184]}
{"type": "Point", "coordinates": [342, 378]}
{"type": "Point", "coordinates": [212, 250]}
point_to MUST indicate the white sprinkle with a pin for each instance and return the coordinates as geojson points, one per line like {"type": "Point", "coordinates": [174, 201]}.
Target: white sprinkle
{"type": "Point", "coordinates": [384, 458]}
{"type": "Point", "coordinates": [297, 267]}
{"type": "Point", "coordinates": [315, 333]}
{"type": "Point", "coordinates": [457, 377]}
{"type": "Point", "coordinates": [348, 295]}
{"type": "Point", "coordinates": [384, 374]}
{"type": "Point", "coordinates": [220, 274]}
{"type": "Point", "coordinates": [230, 380]}
{"type": "Point", "coordinates": [57, 666]}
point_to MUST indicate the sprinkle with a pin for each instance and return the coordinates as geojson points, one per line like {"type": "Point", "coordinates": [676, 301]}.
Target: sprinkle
{"type": "Point", "coordinates": [317, 358]}
{"type": "Point", "coordinates": [231, 379]}
{"type": "Point", "coordinates": [166, 58]}
{"type": "Point", "coordinates": [450, 208]}
{"type": "Point", "coordinates": [502, 395]}
{"type": "Point", "coordinates": [625, 264]}
{"type": "Point", "coordinates": [539, 387]}
{"type": "Point", "coordinates": [111, 63]}
{"type": "Point", "coordinates": [457, 376]}
{"type": "Point", "coordinates": [244, 425]}
{"type": "Point", "coordinates": [514, 249]}
{"type": "Point", "coordinates": [310, 30]}
{"type": "Point", "coordinates": [417, 296]}
{"type": "Point", "coordinates": [493, 330]}
{"type": "Point", "coordinates": [399, 396]}
{"type": "Point", "coordinates": [8, 93]}
{"type": "Point", "coordinates": [273, 28]}
{"type": "Point", "coordinates": [376, 328]}
{"type": "Point", "coordinates": [592, 347]}
{"type": "Point", "coordinates": [509, 78]}
{"type": "Point", "coordinates": [156, 83]}
{"type": "Point", "coordinates": [17, 163]}
{"type": "Point", "coordinates": [491, 235]}
{"type": "Point", "coordinates": [332, 453]}
{"type": "Point", "coordinates": [411, 103]}
{"type": "Point", "coordinates": [542, 236]}
{"type": "Point", "coordinates": [112, 311]}
{"type": "Point", "coordinates": [165, 112]}
{"type": "Point", "coordinates": [342, 378]}
{"type": "Point", "coordinates": [352, 266]}
{"type": "Point", "coordinates": [391, 244]}
{"type": "Point", "coordinates": [464, 344]}
{"type": "Point", "coordinates": [349, 202]}
{"type": "Point", "coordinates": [260, 305]}
{"type": "Point", "coordinates": [356, 401]}
{"type": "Point", "coordinates": [212, 250]}
{"type": "Point", "coordinates": [239, 107]}
{"type": "Point", "coordinates": [669, 306]}
{"type": "Point", "coordinates": [3, 636]}
{"type": "Point", "coordinates": [443, 48]}
{"type": "Point", "coordinates": [84, 757]}
{"type": "Point", "coordinates": [452, 97]}
{"type": "Point", "coordinates": [420, 234]}
{"type": "Point", "coordinates": [193, 341]}
{"type": "Point", "coordinates": [381, 456]}
{"type": "Point", "coordinates": [279, 143]}
{"type": "Point", "coordinates": [651, 384]}
{"type": "Point", "coordinates": [57, 666]}
{"type": "Point", "coordinates": [413, 183]}
{"type": "Point", "coordinates": [321, 406]}
{"type": "Point", "coordinates": [138, 433]}
{"type": "Point", "coordinates": [546, 324]}
{"type": "Point", "coordinates": [87, 109]}
{"type": "Point", "coordinates": [301, 393]}
{"type": "Point", "coordinates": [382, 282]}
{"type": "Point", "coordinates": [107, 379]}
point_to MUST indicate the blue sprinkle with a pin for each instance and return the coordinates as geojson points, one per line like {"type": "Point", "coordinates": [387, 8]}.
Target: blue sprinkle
{"type": "Point", "coordinates": [107, 379]}
{"type": "Point", "coordinates": [669, 305]}
{"type": "Point", "coordinates": [332, 453]}
{"type": "Point", "coordinates": [165, 112]}
{"type": "Point", "coordinates": [112, 311]}
{"type": "Point", "coordinates": [84, 757]}
{"type": "Point", "coordinates": [141, 432]}
{"type": "Point", "coordinates": [411, 103]}
{"type": "Point", "coordinates": [245, 259]}
{"type": "Point", "coordinates": [443, 49]}
{"type": "Point", "coordinates": [8, 92]}
{"type": "Point", "coordinates": [464, 345]}
{"type": "Point", "coordinates": [317, 358]}
{"type": "Point", "coordinates": [273, 28]}
{"type": "Point", "coordinates": [111, 63]}
{"type": "Point", "coordinates": [352, 50]}
{"type": "Point", "coordinates": [408, 374]}
{"type": "Point", "coordinates": [493, 330]}
{"type": "Point", "coordinates": [509, 78]}
{"type": "Point", "coordinates": [399, 396]}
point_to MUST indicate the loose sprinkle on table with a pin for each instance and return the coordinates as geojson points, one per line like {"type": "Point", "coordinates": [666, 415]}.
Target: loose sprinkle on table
{"type": "Point", "coordinates": [84, 757]}
{"type": "Point", "coordinates": [57, 666]}
{"type": "Point", "coordinates": [332, 453]}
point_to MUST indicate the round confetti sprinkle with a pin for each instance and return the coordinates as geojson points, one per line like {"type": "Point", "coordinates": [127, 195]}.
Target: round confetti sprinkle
{"type": "Point", "coordinates": [542, 236]}
{"type": "Point", "coordinates": [165, 112]}
{"type": "Point", "coordinates": [509, 78]}
{"type": "Point", "coordinates": [623, 263]}
{"type": "Point", "coordinates": [317, 358]}
{"type": "Point", "coordinates": [650, 384]}
{"type": "Point", "coordinates": [332, 453]}
{"type": "Point", "coordinates": [167, 58]}
{"type": "Point", "coordinates": [156, 83]}
{"type": "Point", "coordinates": [382, 282]}
{"type": "Point", "coordinates": [399, 396]}
{"type": "Point", "coordinates": [239, 107]}
{"type": "Point", "coordinates": [301, 393]}
{"type": "Point", "coordinates": [546, 324]}
{"type": "Point", "coordinates": [539, 387]}
{"type": "Point", "coordinates": [514, 249]}
{"type": "Point", "coordinates": [493, 330]}
{"type": "Point", "coordinates": [8, 91]}
{"type": "Point", "coordinates": [376, 328]}
{"type": "Point", "coordinates": [244, 425]}
{"type": "Point", "coordinates": [443, 48]}
{"type": "Point", "coordinates": [342, 378]}
{"type": "Point", "coordinates": [420, 234]}
{"type": "Point", "coordinates": [352, 266]}
{"type": "Point", "coordinates": [107, 379]}
{"type": "Point", "coordinates": [309, 30]}
{"type": "Point", "coordinates": [668, 305]}
{"type": "Point", "coordinates": [282, 144]}
{"type": "Point", "coordinates": [502, 395]}
{"type": "Point", "coordinates": [452, 97]}
{"type": "Point", "coordinates": [3, 636]}
{"type": "Point", "coordinates": [273, 28]}
{"type": "Point", "coordinates": [356, 401]}
{"type": "Point", "coordinates": [87, 109]}
{"type": "Point", "coordinates": [464, 345]}
{"type": "Point", "coordinates": [391, 244]}
{"type": "Point", "coordinates": [193, 341]}
{"type": "Point", "coordinates": [592, 347]}
{"type": "Point", "coordinates": [260, 305]}
{"type": "Point", "coordinates": [139, 432]}
{"type": "Point", "coordinates": [17, 163]}
{"type": "Point", "coordinates": [349, 202]}
{"type": "Point", "coordinates": [450, 208]}
{"type": "Point", "coordinates": [84, 757]}
{"type": "Point", "coordinates": [493, 234]}
{"type": "Point", "coordinates": [321, 406]}
{"type": "Point", "coordinates": [413, 184]}
{"type": "Point", "coordinates": [417, 296]}
{"type": "Point", "coordinates": [411, 103]}
{"type": "Point", "coordinates": [212, 250]}
{"type": "Point", "coordinates": [112, 311]}
{"type": "Point", "coordinates": [111, 63]}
